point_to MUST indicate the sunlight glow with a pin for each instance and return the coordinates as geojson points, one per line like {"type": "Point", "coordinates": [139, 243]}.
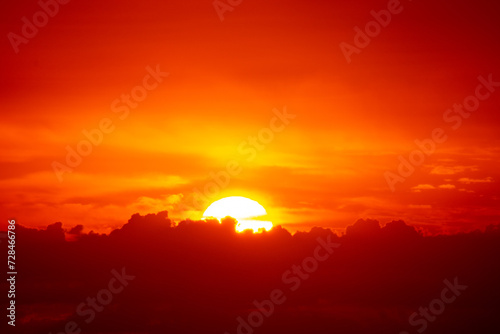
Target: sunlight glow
{"type": "Point", "coordinates": [246, 211]}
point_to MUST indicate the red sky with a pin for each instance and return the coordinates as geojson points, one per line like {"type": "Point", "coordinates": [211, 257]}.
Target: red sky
{"type": "Point", "coordinates": [326, 168]}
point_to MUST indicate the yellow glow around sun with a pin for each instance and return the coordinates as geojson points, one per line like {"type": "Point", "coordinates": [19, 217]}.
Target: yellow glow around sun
{"type": "Point", "coordinates": [246, 211]}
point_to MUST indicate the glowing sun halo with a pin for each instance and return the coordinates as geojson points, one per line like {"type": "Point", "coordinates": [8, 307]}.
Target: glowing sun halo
{"type": "Point", "coordinates": [246, 211]}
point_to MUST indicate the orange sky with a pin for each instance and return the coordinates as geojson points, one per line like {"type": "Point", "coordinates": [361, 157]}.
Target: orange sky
{"type": "Point", "coordinates": [325, 167]}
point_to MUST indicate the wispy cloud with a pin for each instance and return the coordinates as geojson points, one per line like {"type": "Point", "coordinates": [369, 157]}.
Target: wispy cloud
{"type": "Point", "coordinates": [467, 180]}
{"type": "Point", "coordinates": [421, 187]}
{"type": "Point", "coordinates": [452, 170]}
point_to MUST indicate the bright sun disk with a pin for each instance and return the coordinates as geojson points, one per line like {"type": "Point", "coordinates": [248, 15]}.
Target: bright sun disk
{"type": "Point", "coordinates": [247, 212]}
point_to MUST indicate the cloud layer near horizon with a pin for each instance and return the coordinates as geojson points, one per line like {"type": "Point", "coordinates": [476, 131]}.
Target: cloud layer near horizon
{"type": "Point", "coordinates": [201, 276]}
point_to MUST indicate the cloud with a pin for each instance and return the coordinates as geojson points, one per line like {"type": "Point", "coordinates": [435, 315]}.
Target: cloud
{"type": "Point", "coordinates": [393, 231]}
{"type": "Point", "coordinates": [421, 187]}
{"type": "Point", "coordinates": [446, 186]}
{"type": "Point", "coordinates": [452, 170]}
{"type": "Point", "coordinates": [363, 228]}
{"type": "Point", "coordinates": [146, 204]}
{"type": "Point", "coordinates": [467, 180]}
{"type": "Point", "coordinates": [199, 276]}
{"type": "Point", "coordinates": [77, 230]}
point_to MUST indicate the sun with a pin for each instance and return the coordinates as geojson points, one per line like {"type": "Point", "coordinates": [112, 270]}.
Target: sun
{"type": "Point", "coordinates": [247, 212]}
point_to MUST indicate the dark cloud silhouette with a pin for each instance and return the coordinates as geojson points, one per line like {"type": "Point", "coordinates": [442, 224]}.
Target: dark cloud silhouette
{"type": "Point", "coordinates": [77, 230]}
{"type": "Point", "coordinates": [202, 276]}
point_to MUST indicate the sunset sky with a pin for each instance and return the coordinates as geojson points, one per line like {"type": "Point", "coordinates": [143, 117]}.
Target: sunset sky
{"type": "Point", "coordinates": [227, 82]}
